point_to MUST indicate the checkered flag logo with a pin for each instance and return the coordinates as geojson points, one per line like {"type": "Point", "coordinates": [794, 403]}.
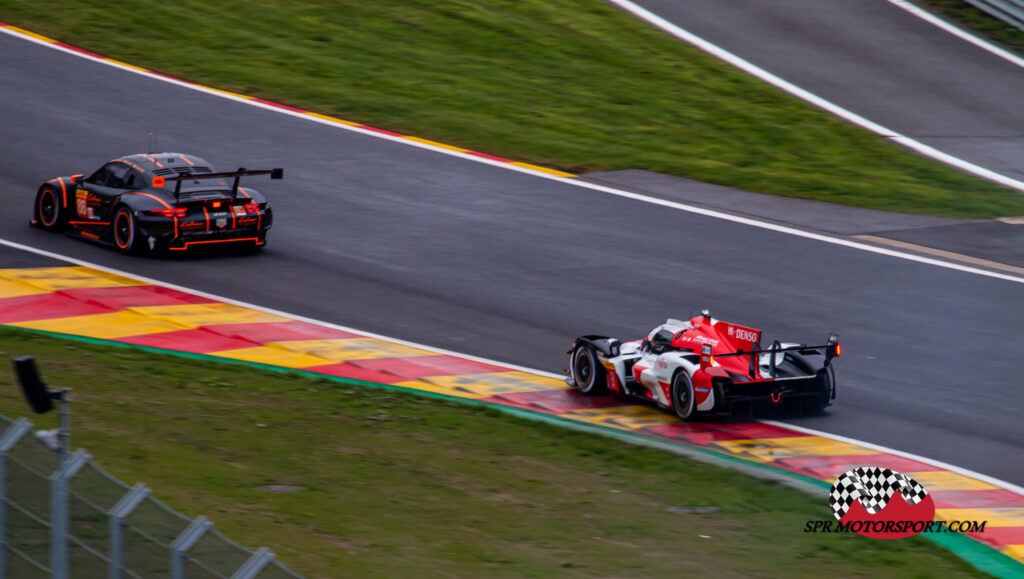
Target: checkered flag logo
{"type": "Point", "coordinates": [873, 487]}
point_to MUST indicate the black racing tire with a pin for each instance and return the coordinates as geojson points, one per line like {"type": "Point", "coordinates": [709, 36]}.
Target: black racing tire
{"type": "Point", "coordinates": [684, 400]}
{"type": "Point", "coordinates": [49, 213]}
{"type": "Point", "coordinates": [588, 377]}
{"type": "Point", "coordinates": [815, 405]}
{"type": "Point", "coordinates": [124, 231]}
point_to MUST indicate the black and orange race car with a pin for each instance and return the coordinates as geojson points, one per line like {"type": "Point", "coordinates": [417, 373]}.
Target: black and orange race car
{"type": "Point", "coordinates": [156, 202]}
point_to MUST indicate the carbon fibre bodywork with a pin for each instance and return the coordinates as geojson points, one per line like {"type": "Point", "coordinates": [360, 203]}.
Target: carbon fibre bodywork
{"type": "Point", "coordinates": [156, 202]}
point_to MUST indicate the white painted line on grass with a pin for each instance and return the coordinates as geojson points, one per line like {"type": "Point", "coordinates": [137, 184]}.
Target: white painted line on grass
{"type": "Point", "coordinates": [14, 245]}
{"type": "Point", "coordinates": [845, 114]}
{"type": "Point", "coordinates": [957, 31]}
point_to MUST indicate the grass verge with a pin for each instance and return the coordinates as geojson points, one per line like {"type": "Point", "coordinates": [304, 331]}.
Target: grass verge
{"type": "Point", "coordinates": [978, 21]}
{"type": "Point", "coordinates": [574, 84]}
{"type": "Point", "coordinates": [402, 485]}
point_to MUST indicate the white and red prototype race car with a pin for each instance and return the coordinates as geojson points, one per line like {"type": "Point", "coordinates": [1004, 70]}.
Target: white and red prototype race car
{"type": "Point", "coordinates": [705, 365]}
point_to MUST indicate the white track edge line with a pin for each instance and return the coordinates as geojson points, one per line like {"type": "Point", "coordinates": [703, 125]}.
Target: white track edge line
{"type": "Point", "coordinates": [966, 472]}
{"type": "Point", "coordinates": [807, 96]}
{"type": "Point", "coordinates": [792, 231]}
{"type": "Point", "coordinates": [957, 31]}
{"type": "Point", "coordinates": [568, 180]}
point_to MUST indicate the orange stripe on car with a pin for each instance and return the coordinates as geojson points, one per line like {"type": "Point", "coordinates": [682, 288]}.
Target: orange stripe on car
{"type": "Point", "coordinates": [207, 214]}
{"type": "Point", "coordinates": [184, 158]}
{"type": "Point", "coordinates": [188, 243]}
{"type": "Point", "coordinates": [151, 196]}
{"type": "Point", "coordinates": [63, 190]}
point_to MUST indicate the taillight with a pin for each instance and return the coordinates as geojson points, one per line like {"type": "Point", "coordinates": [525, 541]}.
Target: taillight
{"type": "Point", "coordinates": [252, 207]}
{"type": "Point", "coordinates": [176, 212]}
{"type": "Point", "coordinates": [832, 348]}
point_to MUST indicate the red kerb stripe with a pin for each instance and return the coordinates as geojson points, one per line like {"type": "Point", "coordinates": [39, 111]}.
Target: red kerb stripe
{"type": "Point", "coordinates": [79, 50]}
{"type": "Point", "coordinates": [376, 130]}
{"type": "Point", "coordinates": [277, 105]}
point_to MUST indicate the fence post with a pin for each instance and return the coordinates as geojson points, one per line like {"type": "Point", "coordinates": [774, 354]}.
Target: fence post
{"type": "Point", "coordinates": [59, 512]}
{"type": "Point", "coordinates": [10, 437]}
{"type": "Point", "coordinates": [117, 514]}
{"type": "Point", "coordinates": [260, 559]}
{"type": "Point", "coordinates": [184, 542]}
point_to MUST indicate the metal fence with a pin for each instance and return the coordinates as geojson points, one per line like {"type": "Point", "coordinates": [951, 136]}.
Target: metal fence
{"type": "Point", "coordinates": [73, 519]}
{"type": "Point", "coordinates": [1009, 11]}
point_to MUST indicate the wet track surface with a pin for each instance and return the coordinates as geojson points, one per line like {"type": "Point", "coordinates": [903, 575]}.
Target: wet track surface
{"type": "Point", "coordinates": [431, 248]}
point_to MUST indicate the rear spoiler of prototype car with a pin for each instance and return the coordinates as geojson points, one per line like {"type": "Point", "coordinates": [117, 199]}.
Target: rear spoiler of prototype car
{"type": "Point", "coordinates": [831, 347]}
{"type": "Point", "coordinates": [241, 172]}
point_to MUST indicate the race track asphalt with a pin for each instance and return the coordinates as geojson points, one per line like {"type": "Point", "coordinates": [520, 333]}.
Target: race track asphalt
{"type": "Point", "coordinates": [479, 259]}
{"type": "Point", "coordinates": [880, 62]}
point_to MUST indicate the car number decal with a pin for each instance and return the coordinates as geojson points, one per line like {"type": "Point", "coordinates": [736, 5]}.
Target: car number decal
{"type": "Point", "coordinates": [81, 203]}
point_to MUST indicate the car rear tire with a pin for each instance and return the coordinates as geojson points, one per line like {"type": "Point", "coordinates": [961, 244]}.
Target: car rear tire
{"type": "Point", "coordinates": [125, 231]}
{"type": "Point", "coordinates": [49, 213]}
{"type": "Point", "coordinates": [683, 399]}
{"type": "Point", "coordinates": [816, 404]}
{"type": "Point", "coordinates": [587, 376]}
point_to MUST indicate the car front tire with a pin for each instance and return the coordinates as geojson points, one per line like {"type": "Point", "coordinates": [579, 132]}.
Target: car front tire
{"type": "Point", "coordinates": [588, 377]}
{"type": "Point", "coordinates": [49, 213]}
{"type": "Point", "coordinates": [683, 399]}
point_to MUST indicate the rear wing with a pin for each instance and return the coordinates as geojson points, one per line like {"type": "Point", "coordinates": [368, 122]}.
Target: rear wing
{"type": "Point", "coordinates": [159, 181]}
{"type": "Point", "coordinates": [831, 347]}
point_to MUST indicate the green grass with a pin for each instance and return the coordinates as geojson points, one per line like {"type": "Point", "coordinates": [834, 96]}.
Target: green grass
{"type": "Point", "coordinates": [573, 84]}
{"type": "Point", "coordinates": [978, 21]}
{"type": "Point", "coordinates": [400, 485]}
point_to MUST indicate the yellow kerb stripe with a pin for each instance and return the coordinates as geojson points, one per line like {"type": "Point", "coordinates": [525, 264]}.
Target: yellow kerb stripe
{"type": "Point", "coordinates": [273, 356]}
{"type": "Point", "coordinates": [771, 449]}
{"type": "Point", "coordinates": [334, 119]}
{"type": "Point", "coordinates": [342, 350]}
{"type": "Point", "coordinates": [1015, 551]}
{"type": "Point", "coordinates": [229, 93]}
{"type": "Point", "coordinates": [483, 385]}
{"type": "Point", "coordinates": [623, 417]}
{"type": "Point", "coordinates": [942, 480]}
{"type": "Point", "coordinates": [60, 278]}
{"type": "Point", "coordinates": [554, 172]}
{"type": "Point", "coordinates": [436, 144]}
{"type": "Point", "coordinates": [126, 65]}
{"type": "Point", "coordinates": [1008, 517]}
{"type": "Point", "coordinates": [13, 289]}
{"type": "Point", "coordinates": [32, 34]}
{"type": "Point", "coordinates": [104, 326]}
{"type": "Point", "coordinates": [195, 315]}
